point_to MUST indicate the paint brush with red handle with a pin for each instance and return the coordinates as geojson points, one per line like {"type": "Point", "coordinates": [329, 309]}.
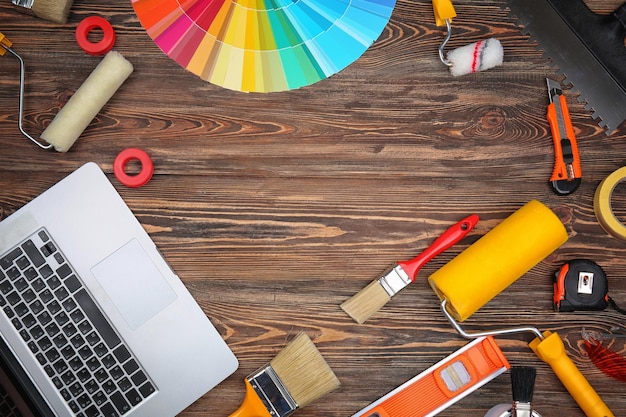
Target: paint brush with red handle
{"type": "Point", "coordinates": [380, 291]}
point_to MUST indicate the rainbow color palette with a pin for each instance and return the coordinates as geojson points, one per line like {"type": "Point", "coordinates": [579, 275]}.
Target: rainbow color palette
{"type": "Point", "coordinates": [264, 45]}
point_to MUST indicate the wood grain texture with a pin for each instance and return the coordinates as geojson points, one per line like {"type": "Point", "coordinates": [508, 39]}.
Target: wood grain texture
{"type": "Point", "coordinates": [276, 208]}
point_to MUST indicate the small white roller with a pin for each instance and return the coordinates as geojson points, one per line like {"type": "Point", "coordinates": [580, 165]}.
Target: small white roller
{"type": "Point", "coordinates": [87, 101]}
{"type": "Point", "coordinates": [478, 56]}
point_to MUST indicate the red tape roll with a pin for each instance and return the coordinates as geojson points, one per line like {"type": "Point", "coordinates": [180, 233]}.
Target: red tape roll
{"type": "Point", "coordinates": [87, 25]}
{"type": "Point", "coordinates": [133, 181]}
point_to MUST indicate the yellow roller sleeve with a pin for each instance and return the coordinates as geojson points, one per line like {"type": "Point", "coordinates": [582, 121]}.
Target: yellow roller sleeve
{"type": "Point", "coordinates": [497, 259]}
{"type": "Point", "coordinates": [552, 351]}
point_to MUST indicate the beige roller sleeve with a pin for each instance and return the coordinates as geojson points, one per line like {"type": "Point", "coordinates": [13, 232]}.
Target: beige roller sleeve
{"type": "Point", "coordinates": [87, 101]}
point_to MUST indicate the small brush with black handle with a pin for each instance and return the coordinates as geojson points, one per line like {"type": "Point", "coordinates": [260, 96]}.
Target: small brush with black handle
{"type": "Point", "coordinates": [523, 387]}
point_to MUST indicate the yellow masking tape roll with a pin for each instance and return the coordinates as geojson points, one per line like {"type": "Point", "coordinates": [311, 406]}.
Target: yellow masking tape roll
{"type": "Point", "coordinates": [498, 259]}
{"type": "Point", "coordinates": [602, 204]}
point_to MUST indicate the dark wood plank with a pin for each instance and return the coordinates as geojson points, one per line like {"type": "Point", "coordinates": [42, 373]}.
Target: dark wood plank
{"type": "Point", "coordinates": [275, 208]}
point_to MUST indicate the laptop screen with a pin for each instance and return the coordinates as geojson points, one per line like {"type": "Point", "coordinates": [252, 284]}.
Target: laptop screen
{"type": "Point", "coordinates": [18, 395]}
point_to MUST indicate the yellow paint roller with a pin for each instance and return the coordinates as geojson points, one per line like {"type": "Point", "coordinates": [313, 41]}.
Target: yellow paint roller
{"type": "Point", "coordinates": [494, 262]}
{"type": "Point", "coordinates": [498, 259]}
{"type": "Point", "coordinates": [84, 104]}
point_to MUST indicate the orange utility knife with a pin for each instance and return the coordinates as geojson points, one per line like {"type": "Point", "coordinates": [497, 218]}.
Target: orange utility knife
{"type": "Point", "coordinates": [567, 174]}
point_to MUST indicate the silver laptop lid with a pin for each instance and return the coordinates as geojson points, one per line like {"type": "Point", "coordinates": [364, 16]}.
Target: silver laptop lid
{"type": "Point", "coordinates": [170, 348]}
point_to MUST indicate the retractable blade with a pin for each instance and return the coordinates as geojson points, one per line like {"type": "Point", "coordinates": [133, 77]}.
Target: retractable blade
{"type": "Point", "coordinates": [567, 173]}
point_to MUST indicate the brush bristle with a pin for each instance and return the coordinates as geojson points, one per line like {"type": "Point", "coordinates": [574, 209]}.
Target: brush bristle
{"type": "Point", "coordinates": [303, 371]}
{"type": "Point", "coordinates": [523, 383]}
{"type": "Point", "coordinates": [366, 302]}
{"type": "Point", "coordinates": [52, 10]}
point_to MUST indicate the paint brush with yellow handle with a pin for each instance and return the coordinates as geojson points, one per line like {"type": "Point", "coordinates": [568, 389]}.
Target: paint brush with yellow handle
{"type": "Point", "coordinates": [296, 377]}
{"type": "Point", "coordinates": [495, 261]}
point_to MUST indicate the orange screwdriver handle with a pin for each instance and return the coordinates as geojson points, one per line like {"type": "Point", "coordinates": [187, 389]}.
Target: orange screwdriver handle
{"type": "Point", "coordinates": [552, 351]}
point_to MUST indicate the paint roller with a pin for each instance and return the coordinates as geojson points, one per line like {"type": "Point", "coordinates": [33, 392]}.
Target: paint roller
{"type": "Point", "coordinates": [85, 103]}
{"type": "Point", "coordinates": [494, 262]}
{"type": "Point", "coordinates": [478, 56]}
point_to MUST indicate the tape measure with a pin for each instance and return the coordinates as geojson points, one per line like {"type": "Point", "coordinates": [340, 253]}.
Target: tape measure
{"type": "Point", "coordinates": [580, 284]}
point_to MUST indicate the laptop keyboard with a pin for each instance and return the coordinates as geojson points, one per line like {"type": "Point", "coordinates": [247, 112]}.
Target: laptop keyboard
{"type": "Point", "coordinates": [67, 332]}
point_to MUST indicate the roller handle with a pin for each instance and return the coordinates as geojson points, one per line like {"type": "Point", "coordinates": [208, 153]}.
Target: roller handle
{"type": "Point", "coordinates": [444, 10]}
{"type": "Point", "coordinates": [252, 405]}
{"type": "Point", "coordinates": [451, 236]}
{"type": "Point", "coordinates": [4, 44]}
{"type": "Point", "coordinates": [552, 351]}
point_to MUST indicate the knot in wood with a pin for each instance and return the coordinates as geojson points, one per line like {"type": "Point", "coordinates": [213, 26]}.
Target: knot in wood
{"type": "Point", "coordinates": [492, 119]}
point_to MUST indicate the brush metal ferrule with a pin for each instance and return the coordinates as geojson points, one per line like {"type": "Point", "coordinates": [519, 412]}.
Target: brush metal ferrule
{"type": "Point", "coordinates": [27, 4]}
{"type": "Point", "coordinates": [521, 409]}
{"type": "Point", "coordinates": [394, 280]}
{"type": "Point", "coordinates": [272, 392]}
{"type": "Point", "coordinates": [510, 413]}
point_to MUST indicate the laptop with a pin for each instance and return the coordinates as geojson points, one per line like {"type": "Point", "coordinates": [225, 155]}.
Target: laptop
{"type": "Point", "coordinates": [93, 321]}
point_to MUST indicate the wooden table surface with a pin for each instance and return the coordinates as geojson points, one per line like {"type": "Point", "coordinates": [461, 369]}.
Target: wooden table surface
{"type": "Point", "coordinates": [275, 208]}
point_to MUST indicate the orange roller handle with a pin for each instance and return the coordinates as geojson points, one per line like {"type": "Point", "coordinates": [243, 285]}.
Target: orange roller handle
{"type": "Point", "coordinates": [552, 351]}
{"type": "Point", "coordinates": [252, 405]}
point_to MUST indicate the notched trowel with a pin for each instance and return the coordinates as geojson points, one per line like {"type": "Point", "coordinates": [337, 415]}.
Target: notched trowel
{"type": "Point", "coordinates": [587, 48]}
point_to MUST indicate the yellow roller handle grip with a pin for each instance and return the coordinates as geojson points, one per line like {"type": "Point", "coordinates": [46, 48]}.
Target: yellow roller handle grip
{"type": "Point", "coordinates": [444, 10]}
{"type": "Point", "coordinates": [252, 405]}
{"type": "Point", "coordinates": [4, 43]}
{"type": "Point", "coordinates": [552, 351]}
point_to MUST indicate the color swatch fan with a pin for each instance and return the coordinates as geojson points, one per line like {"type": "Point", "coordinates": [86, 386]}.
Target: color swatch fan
{"type": "Point", "coordinates": [264, 45]}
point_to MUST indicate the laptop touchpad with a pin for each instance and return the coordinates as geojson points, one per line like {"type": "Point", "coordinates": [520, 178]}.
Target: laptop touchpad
{"type": "Point", "coordinates": [134, 284]}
